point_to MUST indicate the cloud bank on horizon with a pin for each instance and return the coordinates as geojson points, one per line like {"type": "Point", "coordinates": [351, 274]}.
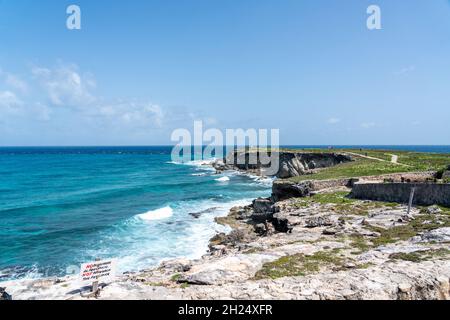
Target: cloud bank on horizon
{"type": "Point", "coordinates": [132, 74]}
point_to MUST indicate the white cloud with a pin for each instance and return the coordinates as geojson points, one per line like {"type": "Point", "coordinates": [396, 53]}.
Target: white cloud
{"type": "Point", "coordinates": [333, 120]}
{"type": "Point", "coordinates": [138, 114]}
{"type": "Point", "coordinates": [368, 125]}
{"type": "Point", "coordinates": [9, 102]}
{"type": "Point", "coordinates": [65, 97]}
{"type": "Point", "coordinates": [65, 86]}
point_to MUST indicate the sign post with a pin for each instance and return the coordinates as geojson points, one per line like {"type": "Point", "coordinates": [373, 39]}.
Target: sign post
{"type": "Point", "coordinates": [411, 197]}
{"type": "Point", "coordinates": [93, 272]}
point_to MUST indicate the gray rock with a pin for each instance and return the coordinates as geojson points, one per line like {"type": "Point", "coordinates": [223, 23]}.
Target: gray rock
{"type": "Point", "coordinates": [286, 189]}
{"type": "Point", "coordinates": [433, 210]}
{"type": "Point", "coordinates": [446, 174]}
{"type": "Point", "coordinates": [177, 265]}
{"type": "Point", "coordinates": [262, 216]}
{"type": "Point", "coordinates": [4, 295]}
{"type": "Point", "coordinates": [244, 213]}
{"type": "Point", "coordinates": [262, 205]}
{"type": "Point", "coordinates": [332, 231]}
{"type": "Point", "coordinates": [199, 213]}
{"type": "Point", "coordinates": [260, 228]}
{"type": "Point", "coordinates": [281, 224]}
{"type": "Point", "coordinates": [318, 222]}
{"type": "Point", "coordinates": [220, 166]}
{"type": "Point", "coordinates": [437, 235]}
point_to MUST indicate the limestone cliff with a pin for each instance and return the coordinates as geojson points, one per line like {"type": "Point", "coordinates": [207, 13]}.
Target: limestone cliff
{"type": "Point", "coordinates": [290, 164]}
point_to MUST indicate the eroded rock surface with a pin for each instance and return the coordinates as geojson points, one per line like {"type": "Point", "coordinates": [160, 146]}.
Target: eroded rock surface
{"type": "Point", "coordinates": [322, 247]}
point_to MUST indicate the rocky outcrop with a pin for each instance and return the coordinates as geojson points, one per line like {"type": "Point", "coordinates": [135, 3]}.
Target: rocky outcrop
{"type": "Point", "coordinates": [360, 250]}
{"type": "Point", "coordinates": [441, 235]}
{"type": "Point", "coordinates": [290, 164]}
{"type": "Point", "coordinates": [297, 164]}
{"type": "Point", "coordinates": [287, 189]}
{"type": "Point", "coordinates": [446, 174]}
{"type": "Point", "coordinates": [4, 295]}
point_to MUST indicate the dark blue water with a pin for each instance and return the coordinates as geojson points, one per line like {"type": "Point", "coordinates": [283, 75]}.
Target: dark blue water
{"type": "Point", "coordinates": [67, 205]}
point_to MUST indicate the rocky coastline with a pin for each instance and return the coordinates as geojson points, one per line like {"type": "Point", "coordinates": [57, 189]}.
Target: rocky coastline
{"type": "Point", "coordinates": [309, 240]}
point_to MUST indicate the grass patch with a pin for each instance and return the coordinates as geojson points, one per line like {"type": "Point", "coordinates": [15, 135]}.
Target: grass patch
{"type": "Point", "coordinates": [252, 250]}
{"type": "Point", "coordinates": [419, 256]}
{"type": "Point", "coordinates": [358, 168]}
{"type": "Point", "coordinates": [155, 284]}
{"type": "Point", "coordinates": [365, 265]}
{"type": "Point", "coordinates": [299, 265]}
{"type": "Point", "coordinates": [420, 224]}
{"type": "Point", "coordinates": [175, 277]}
{"type": "Point", "coordinates": [359, 242]}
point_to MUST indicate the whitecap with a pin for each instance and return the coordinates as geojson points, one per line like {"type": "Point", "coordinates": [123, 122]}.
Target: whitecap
{"type": "Point", "coordinates": [223, 179]}
{"type": "Point", "coordinates": [162, 213]}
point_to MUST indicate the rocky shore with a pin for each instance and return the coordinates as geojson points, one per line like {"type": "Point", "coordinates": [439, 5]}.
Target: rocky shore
{"type": "Point", "coordinates": [321, 247]}
{"type": "Point", "coordinates": [314, 243]}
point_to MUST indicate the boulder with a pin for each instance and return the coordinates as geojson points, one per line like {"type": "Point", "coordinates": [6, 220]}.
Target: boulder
{"type": "Point", "coordinates": [4, 295]}
{"type": "Point", "coordinates": [433, 209]}
{"type": "Point", "coordinates": [262, 205]}
{"type": "Point", "coordinates": [219, 165]}
{"type": "Point", "coordinates": [196, 215]}
{"type": "Point", "coordinates": [243, 213]}
{"type": "Point", "coordinates": [282, 190]}
{"type": "Point", "coordinates": [177, 265]}
{"type": "Point", "coordinates": [438, 235]}
{"type": "Point", "coordinates": [446, 174]}
{"type": "Point", "coordinates": [260, 228]}
{"type": "Point", "coordinates": [281, 224]}
{"type": "Point", "coordinates": [262, 216]}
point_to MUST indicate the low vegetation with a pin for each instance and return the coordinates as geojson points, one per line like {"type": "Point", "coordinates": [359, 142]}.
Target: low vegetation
{"type": "Point", "coordinates": [340, 203]}
{"type": "Point", "coordinates": [361, 166]}
{"type": "Point", "coordinates": [421, 223]}
{"type": "Point", "coordinates": [420, 256]}
{"type": "Point", "coordinates": [299, 265]}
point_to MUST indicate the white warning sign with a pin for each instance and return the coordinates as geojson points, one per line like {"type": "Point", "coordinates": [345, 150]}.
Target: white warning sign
{"type": "Point", "coordinates": [103, 270]}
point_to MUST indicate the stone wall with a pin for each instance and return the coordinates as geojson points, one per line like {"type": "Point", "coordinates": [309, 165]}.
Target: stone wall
{"type": "Point", "coordinates": [425, 193]}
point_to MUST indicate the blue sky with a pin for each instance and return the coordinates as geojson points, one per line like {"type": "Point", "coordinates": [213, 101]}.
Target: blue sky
{"type": "Point", "coordinates": [139, 69]}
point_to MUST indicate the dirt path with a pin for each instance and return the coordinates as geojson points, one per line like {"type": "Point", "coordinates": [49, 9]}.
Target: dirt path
{"type": "Point", "coordinates": [394, 158]}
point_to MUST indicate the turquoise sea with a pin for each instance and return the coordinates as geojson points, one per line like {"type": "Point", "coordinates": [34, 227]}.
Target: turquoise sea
{"type": "Point", "coordinates": [62, 206]}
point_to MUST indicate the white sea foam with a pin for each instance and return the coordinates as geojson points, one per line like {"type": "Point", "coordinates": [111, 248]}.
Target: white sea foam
{"type": "Point", "coordinates": [204, 164]}
{"type": "Point", "coordinates": [223, 179]}
{"type": "Point", "coordinates": [158, 214]}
